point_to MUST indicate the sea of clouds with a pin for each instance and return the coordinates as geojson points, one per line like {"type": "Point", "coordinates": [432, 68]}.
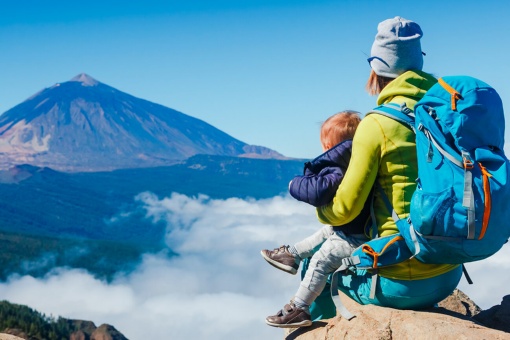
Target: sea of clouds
{"type": "Point", "coordinates": [219, 287]}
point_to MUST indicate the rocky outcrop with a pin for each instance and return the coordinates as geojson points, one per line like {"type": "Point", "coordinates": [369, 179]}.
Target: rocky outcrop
{"type": "Point", "coordinates": [84, 330]}
{"type": "Point", "coordinates": [87, 330]}
{"type": "Point", "coordinates": [459, 302]}
{"type": "Point", "coordinates": [497, 317]}
{"type": "Point", "coordinates": [457, 317]}
{"type": "Point", "coordinates": [107, 332]}
{"type": "Point", "coordinates": [5, 336]}
{"type": "Point", "coordinates": [13, 334]}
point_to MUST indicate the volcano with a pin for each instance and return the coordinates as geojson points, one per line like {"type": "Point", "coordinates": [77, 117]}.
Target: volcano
{"type": "Point", "coordinates": [85, 125]}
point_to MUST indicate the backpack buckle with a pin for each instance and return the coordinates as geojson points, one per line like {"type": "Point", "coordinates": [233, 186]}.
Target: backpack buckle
{"type": "Point", "coordinates": [405, 110]}
{"type": "Point", "coordinates": [468, 164]}
{"type": "Point", "coordinates": [466, 160]}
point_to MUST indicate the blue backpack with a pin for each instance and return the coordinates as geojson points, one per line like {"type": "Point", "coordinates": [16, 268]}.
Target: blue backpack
{"type": "Point", "coordinates": [459, 211]}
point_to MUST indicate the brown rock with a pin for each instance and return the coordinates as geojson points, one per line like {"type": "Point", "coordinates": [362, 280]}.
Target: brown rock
{"type": "Point", "coordinates": [5, 336]}
{"type": "Point", "coordinates": [497, 317]}
{"type": "Point", "coordinates": [460, 303]}
{"type": "Point", "coordinates": [83, 329]}
{"type": "Point", "coordinates": [373, 322]}
{"type": "Point", "coordinates": [79, 335]}
{"type": "Point", "coordinates": [16, 332]}
{"type": "Point", "coordinates": [87, 330]}
{"type": "Point", "coordinates": [107, 332]}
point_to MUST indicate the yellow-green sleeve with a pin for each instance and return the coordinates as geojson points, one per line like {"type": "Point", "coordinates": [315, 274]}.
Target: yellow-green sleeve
{"type": "Point", "coordinates": [360, 176]}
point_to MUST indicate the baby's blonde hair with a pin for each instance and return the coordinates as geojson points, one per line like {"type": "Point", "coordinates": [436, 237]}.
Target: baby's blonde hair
{"type": "Point", "coordinates": [339, 127]}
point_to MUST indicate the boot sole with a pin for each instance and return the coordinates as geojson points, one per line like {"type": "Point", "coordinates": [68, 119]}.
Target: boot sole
{"type": "Point", "coordinates": [305, 323]}
{"type": "Point", "coordinates": [285, 268]}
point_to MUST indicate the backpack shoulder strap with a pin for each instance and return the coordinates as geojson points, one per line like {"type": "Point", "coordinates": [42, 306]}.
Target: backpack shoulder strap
{"type": "Point", "coordinates": [399, 112]}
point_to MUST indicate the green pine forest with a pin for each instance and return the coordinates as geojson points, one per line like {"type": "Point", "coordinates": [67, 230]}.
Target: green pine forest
{"type": "Point", "coordinates": [34, 324]}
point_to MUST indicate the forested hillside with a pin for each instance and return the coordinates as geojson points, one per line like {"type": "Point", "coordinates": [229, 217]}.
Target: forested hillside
{"type": "Point", "coordinates": [27, 323]}
{"type": "Point", "coordinates": [34, 324]}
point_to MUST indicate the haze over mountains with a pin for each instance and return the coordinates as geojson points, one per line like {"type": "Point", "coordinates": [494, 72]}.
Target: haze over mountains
{"type": "Point", "coordinates": [85, 125]}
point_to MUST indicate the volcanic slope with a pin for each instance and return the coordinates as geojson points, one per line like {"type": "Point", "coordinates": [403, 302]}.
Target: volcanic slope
{"type": "Point", "coordinates": [85, 125]}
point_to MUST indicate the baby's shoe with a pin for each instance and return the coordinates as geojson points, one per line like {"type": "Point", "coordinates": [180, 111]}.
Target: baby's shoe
{"type": "Point", "coordinates": [290, 316]}
{"type": "Point", "coordinates": [282, 259]}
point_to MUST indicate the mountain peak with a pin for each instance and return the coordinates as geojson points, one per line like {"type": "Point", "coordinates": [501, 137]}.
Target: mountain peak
{"type": "Point", "coordinates": [86, 125]}
{"type": "Point", "coordinates": [85, 80]}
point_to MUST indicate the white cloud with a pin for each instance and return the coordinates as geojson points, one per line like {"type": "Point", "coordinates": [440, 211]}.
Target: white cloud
{"type": "Point", "coordinates": [219, 287]}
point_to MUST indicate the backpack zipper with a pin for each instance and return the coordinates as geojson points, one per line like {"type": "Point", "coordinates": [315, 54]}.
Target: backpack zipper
{"type": "Point", "coordinates": [487, 201]}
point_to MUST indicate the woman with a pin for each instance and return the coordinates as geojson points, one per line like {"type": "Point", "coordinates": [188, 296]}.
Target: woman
{"type": "Point", "coordinates": [384, 151]}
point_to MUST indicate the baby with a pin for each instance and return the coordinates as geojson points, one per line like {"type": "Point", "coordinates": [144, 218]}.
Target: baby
{"type": "Point", "coordinates": [329, 245]}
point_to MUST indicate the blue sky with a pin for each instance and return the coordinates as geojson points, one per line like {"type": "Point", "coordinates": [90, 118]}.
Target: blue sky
{"type": "Point", "coordinates": [265, 72]}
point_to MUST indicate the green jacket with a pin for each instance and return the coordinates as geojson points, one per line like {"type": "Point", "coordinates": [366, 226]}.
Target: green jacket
{"type": "Point", "coordinates": [385, 150]}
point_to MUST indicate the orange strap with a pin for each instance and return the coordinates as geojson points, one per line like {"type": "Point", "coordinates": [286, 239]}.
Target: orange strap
{"type": "Point", "coordinates": [488, 202]}
{"type": "Point", "coordinates": [370, 251]}
{"type": "Point", "coordinates": [455, 95]}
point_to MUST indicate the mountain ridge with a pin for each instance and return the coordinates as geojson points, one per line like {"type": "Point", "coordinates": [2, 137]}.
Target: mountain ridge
{"type": "Point", "coordinates": [85, 125]}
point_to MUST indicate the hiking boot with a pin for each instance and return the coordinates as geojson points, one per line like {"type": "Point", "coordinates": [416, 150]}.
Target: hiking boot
{"type": "Point", "coordinates": [289, 317]}
{"type": "Point", "coordinates": [282, 259]}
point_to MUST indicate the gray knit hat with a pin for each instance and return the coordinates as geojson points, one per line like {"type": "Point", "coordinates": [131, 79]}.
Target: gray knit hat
{"type": "Point", "coordinates": [396, 48]}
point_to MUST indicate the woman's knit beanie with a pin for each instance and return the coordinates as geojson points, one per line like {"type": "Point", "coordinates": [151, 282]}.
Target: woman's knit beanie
{"type": "Point", "coordinates": [396, 48]}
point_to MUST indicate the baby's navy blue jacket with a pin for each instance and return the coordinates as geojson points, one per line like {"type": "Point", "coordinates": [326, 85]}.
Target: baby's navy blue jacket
{"type": "Point", "coordinates": [320, 181]}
